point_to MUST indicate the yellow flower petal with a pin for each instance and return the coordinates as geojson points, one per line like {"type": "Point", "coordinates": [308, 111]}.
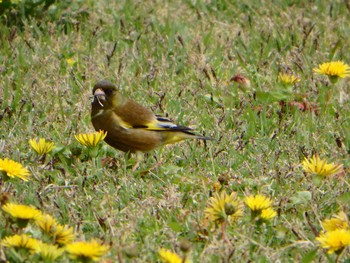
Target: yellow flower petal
{"type": "Point", "coordinates": [220, 206]}
{"type": "Point", "coordinates": [320, 167]}
{"type": "Point", "coordinates": [334, 241]}
{"type": "Point", "coordinates": [63, 234]}
{"type": "Point", "coordinates": [258, 202]}
{"type": "Point", "coordinates": [334, 69]}
{"type": "Point", "coordinates": [288, 78]}
{"type": "Point", "coordinates": [167, 256]}
{"type": "Point", "coordinates": [71, 62]}
{"type": "Point", "coordinates": [41, 146]}
{"type": "Point", "coordinates": [22, 211]}
{"type": "Point", "coordinates": [339, 221]}
{"type": "Point", "coordinates": [267, 214]}
{"type": "Point", "coordinates": [13, 169]}
{"type": "Point", "coordinates": [91, 139]}
{"type": "Point", "coordinates": [46, 223]}
{"type": "Point", "coordinates": [84, 251]}
{"type": "Point", "coordinates": [49, 252]}
{"type": "Point", "coordinates": [20, 242]}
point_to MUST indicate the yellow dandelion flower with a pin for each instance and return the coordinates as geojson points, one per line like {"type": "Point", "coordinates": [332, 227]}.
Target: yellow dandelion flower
{"type": "Point", "coordinates": [21, 242]}
{"type": "Point", "coordinates": [339, 221]}
{"type": "Point", "coordinates": [49, 252]}
{"type": "Point", "coordinates": [258, 202]}
{"type": "Point", "coordinates": [86, 251]}
{"type": "Point", "coordinates": [13, 169]}
{"type": "Point", "coordinates": [71, 62]}
{"type": "Point", "coordinates": [21, 213]}
{"type": "Point", "coordinates": [91, 139]}
{"type": "Point", "coordinates": [334, 241]}
{"type": "Point", "coordinates": [320, 167]}
{"type": "Point", "coordinates": [42, 146]}
{"type": "Point", "coordinates": [221, 206]}
{"type": "Point", "coordinates": [267, 214]}
{"type": "Point", "coordinates": [334, 69]}
{"type": "Point", "coordinates": [167, 256]}
{"type": "Point", "coordinates": [46, 223]}
{"type": "Point", "coordinates": [287, 78]}
{"type": "Point", "coordinates": [63, 235]}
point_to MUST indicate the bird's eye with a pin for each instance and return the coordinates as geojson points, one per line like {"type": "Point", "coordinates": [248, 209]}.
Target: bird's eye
{"type": "Point", "coordinates": [108, 91]}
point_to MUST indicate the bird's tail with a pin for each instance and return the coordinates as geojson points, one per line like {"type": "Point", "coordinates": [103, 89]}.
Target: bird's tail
{"type": "Point", "coordinates": [177, 136]}
{"type": "Point", "coordinates": [205, 138]}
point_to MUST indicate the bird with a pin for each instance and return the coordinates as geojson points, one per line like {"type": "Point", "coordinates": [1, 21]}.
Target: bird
{"type": "Point", "coordinates": [131, 127]}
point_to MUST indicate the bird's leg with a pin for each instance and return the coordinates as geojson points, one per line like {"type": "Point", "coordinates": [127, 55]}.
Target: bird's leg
{"type": "Point", "coordinates": [139, 158]}
{"type": "Point", "coordinates": [157, 165]}
{"type": "Point", "coordinates": [160, 162]}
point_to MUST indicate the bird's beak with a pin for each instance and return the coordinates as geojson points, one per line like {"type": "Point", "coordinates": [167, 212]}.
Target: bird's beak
{"type": "Point", "coordinates": [99, 96]}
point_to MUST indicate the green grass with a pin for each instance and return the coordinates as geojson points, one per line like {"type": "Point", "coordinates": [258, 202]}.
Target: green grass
{"type": "Point", "coordinates": [177, 58]}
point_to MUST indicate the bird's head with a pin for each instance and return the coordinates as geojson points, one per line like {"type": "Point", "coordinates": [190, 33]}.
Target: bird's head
{"type": "Point", "coordinates": [104, 94]}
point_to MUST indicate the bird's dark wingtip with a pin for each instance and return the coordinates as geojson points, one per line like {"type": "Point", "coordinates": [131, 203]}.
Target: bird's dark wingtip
{"type": "Point", "coordinates": [199, 137]}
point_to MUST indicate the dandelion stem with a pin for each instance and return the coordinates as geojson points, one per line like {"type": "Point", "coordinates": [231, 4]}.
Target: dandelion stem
{"type": "Point", "coordinates": [224, 235]}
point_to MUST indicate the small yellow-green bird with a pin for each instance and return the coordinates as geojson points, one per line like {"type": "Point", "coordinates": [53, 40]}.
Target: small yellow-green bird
{"type": "Point", "coordinates": [131, 127]}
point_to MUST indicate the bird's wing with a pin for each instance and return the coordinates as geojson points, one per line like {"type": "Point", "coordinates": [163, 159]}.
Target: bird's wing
{"type": "Point", "coordinates": [132, 115]}
{"type": "Point", "coordinates": [163, 124]}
